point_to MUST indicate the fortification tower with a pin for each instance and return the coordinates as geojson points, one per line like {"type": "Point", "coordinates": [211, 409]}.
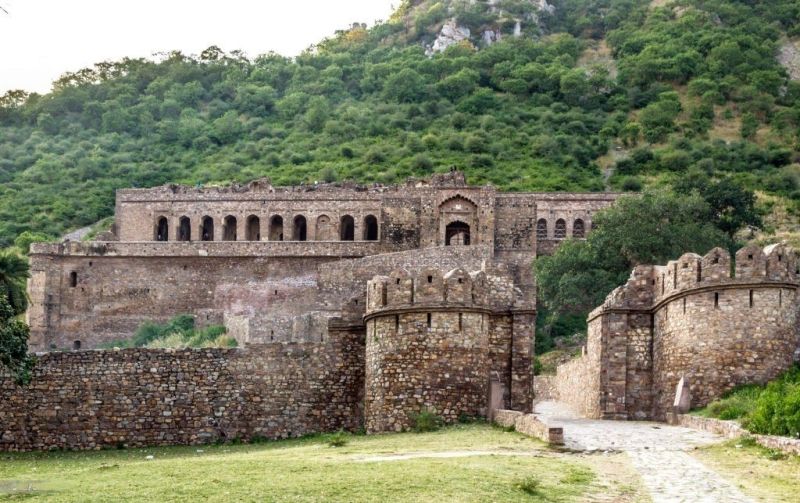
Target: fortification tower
{"type": "Point", "coordinates": [438, 342]}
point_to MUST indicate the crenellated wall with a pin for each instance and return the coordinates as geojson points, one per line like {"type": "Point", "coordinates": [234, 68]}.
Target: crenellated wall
{"type": "Point", "coordinates": [453, 343]}
{"type": "Point", "coordinates": [696, 318]}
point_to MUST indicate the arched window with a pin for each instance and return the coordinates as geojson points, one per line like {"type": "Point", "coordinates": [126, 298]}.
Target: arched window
{"type": "Point", "coordinates": [457, 233]}
{"type": "Point", "coordinates": [229, 228]}
{"type": "Point", "coordinates": [185, 229]}
{"type": "Point", "coordinates": [162, 229]}
{"type": "Point", "coordinates": [326, 230]}
{"type": "Point", "coordinates": [561, 229]}
{"type": "Point", "coordinates": [541, 229]}
{"type": "Point", "coordinates": [370, 228]}
{"type": "Point", "coordinates": [300, 229]}
{"type": "Point", "coordinates": [578, 229]}
{"type": "Point", "coordinates": [253, 228]}
{"type": "Point", "coordinates": [347, 228]}
{"type": "Point", "coordinates": [276, 228]}
{"type": "Point", "coordinates": [207, 229]}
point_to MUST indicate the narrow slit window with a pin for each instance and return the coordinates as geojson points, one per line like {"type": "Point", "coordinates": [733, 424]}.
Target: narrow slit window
{"type": "Point", "coordinates": [780, 298]}
{"type": "Point", "coordinates": [460, 322]}
{"type": "Point", "coordinates": [751, 298]}
{"type": "Point", "coordinates": [429, 320]}
{"type": "Point", "coordinates": [716, 299]}
{"type": "Point", "coordinates": [73, 279]}
{"type": "Point", "coordinates": [684, 305]}
{"type": "Point", "coordinates": [397, 323]}
{"type": "Point", "coordinates": [430, 279]}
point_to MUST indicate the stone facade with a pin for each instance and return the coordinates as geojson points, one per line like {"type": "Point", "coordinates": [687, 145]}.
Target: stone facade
{"type": "Point", "coordinates": [452, 343]}
{"type": "Point", "coordinates": [691, 319]}
{"type": "Point", "coordinates": [254, 256]}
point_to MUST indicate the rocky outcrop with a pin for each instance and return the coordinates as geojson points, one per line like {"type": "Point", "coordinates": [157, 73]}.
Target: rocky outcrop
{"type": "Point", "coordinates": [450, 35]}
{"type": "Point", "coordinates": [789, 57]}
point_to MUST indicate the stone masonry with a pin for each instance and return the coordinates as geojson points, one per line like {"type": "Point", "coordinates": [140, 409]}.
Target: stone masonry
{"type": "Point", "coordinates": [691, 319]}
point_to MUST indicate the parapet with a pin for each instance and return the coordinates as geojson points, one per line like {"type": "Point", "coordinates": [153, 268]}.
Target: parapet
{"type": "Point", "coordinates": [432, 288]}
{"type": "Point", "coordinates": [648, 285]}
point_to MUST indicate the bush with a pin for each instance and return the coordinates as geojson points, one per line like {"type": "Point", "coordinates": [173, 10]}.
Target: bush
{"type": "Point", "coordinates": [426, 421]}
{"type": "Point", "coordinates": [338, 439]}
{"type": "Point", "coordinates": [529, 485]}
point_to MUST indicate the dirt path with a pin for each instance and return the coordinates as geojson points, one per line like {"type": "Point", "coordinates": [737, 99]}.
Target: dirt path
{"type": "Point", "coordinates": [657, 452]}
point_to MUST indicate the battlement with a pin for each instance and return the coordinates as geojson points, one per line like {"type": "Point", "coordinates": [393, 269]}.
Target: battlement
{"type": "Point", "coordinates": [650, 286]}
{"type": "Point", "coordinates": [489, 289]}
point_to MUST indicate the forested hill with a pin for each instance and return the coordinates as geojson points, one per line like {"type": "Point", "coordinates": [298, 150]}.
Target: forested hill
{"type": "Point", "coordinates": [571, 95]}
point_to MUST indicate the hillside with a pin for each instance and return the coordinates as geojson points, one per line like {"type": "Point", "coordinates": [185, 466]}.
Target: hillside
{"type": "Point", "coordinates": [527, 95]}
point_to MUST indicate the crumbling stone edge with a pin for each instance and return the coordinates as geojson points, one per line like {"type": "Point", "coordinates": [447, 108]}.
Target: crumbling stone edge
{"type": "Point", "coordinates": [529, 424]}
{"type": "Point", "coordinates": [732, 429]}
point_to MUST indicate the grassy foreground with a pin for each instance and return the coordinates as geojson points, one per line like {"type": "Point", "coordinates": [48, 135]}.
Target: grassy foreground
{"type": "Point", "coordinates": [508, 467]}
{"type": "Point", "coordinates": [759, 472]}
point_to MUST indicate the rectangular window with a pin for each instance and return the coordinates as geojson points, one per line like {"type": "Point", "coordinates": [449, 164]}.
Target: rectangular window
{"type": "Point", "coordinates": [397, 323]}
{"type": "Point", "coordinates": [460, 322]}
{"type": "Point", "coordinates": [716, 299]}
{"type": "Point", "coordinates": [751, 298]}
{"type": "Point", "coordinates": [684, 305]}
{"type": "Point", "coordinates": [429, 320]}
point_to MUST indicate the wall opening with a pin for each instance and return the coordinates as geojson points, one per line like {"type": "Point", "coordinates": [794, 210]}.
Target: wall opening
{"type": "Point", "coordinates": [162, 229]}
{"type": "Point", "coordinates": [578, 229]}
{"type": "Point", "coordinates": [684, 305]}
{"type": "Point", "coordinates": [699, 272]}
{"type": "Point", "coordinates": [397, 323]}
{"type": "Point", "coordinates": [300, 229]}
{"type": "Point", "coordinates": [370, 228]}
{"type": "Point", "coordinates": [460, 322]}
{"type": "Point", "coordinates": [716, 299]}
{"type": "Point", "coordinates": [430, 279]}
{"type": "Point", "coordinates": [457, 233]}
{"type": "Point", "coordinates": [73, 279]}
{"type": "Point", "coordinates": [229, 228]}
{"type": "Point", "coordinates": [347, 228]}
{"type": "Point", "coordinates": [276, 228]}
{"type": "Point", "coordinates": [561, 229]}
{"type": "Point", "coordinates": [780, 298]}
{"type": "Point", "coordinates": [207, 229]}
{"type": "Point", "coordinates": [184, 229]}
{"type": "Point", "coordinates": [541, 229]}
{"type": "Point", "coordinates": [429, 320]}
{"type": "Point", "coordinates": [751, 298]}
{"type": "Point", "coordinates": [76, 345]}
{"type": "Point", "coordinates": [253, 231]}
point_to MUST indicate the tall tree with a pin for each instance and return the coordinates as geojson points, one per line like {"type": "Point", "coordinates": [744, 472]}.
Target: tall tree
{"type": "Point", "coordinates": [14, 272]}
{"type": "Point", "coordinates": [14, 343]}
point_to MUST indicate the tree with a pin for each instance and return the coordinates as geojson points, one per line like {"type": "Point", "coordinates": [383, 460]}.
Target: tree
{"type": "Point", "coordinates": [731, 206]}
{"type": "Point", "coordinates": [579, 275]}
{"type": "Point", "coordinates": [14, 272]}
{"type": "Point", "coordinates": [14, 343]}
{"type": "Point", "coordinates": [405, 86]}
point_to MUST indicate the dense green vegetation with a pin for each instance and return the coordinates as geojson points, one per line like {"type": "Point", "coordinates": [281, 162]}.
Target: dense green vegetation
{"type": "Point", "coordinates": [773, 409]}
{"type": "Point", "coordinates": [14, 333]}
{"type": "Point", "coordinates": [179, 332]}
{"type": "Point", "coordinates": [369, 105]}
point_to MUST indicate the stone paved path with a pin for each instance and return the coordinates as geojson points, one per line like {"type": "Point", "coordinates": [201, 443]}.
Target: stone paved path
{"type": "Point", "coordinates": [657, 451]}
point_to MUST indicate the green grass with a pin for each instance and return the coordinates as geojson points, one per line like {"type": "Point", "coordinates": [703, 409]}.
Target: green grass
{"type": "Point", "coordinates": [308, 470]}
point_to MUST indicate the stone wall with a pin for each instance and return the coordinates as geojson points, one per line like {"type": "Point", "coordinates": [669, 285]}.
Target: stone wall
{"type": "Point", "coordinates": [690, 319]}
{"type": "Point", "coordinates": [529, 424]}
{"type": "Point", "coordinates": [136, 397]}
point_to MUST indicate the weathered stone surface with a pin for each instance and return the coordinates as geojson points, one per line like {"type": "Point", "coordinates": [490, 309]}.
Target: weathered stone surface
{"type": "Point", "coordinates": [687, 320]}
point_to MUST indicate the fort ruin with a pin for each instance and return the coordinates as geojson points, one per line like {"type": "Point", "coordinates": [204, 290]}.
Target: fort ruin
{"type": "Point", "coordinates": [358, 306]}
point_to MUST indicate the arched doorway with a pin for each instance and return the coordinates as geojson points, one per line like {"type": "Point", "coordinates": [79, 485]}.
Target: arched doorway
{"type": "Point", "coordinates": [561, 229]}
{"type": "Point", "coordinates": [457, 233]}
{"type": "Point", "coordinates": [253, 230]}
{"type": "Point", "coordinates": [370, 228]}
{"type": "Point", "coordinates": [276, 228]}
{"type": "Point", "coordinates": [347, 228]}
{"type": "Point", "coordinates": [207, 229]}
{"type": "Point", "coordinates": [300, 229]}
{"type": "Point", "coordinates": [541, 229]}
{"type": "Point", "coordinates": [162, 229]}
{"type": "Point", "coordinates": [229, 228]}
{"type": "Point", "coordinates": [185, 229]}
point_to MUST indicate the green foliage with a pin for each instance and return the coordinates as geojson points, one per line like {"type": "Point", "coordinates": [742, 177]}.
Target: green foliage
{"type": "Point", "coordinates": [541, 119]}
{"type": "Point", "coordinates": [338, 439]}
{"type": "Point", "coordinates": [179, 332]}
{"type": "Point", "coordinates": [579, 275]}
{"type": "Point", "coordinates": [24, 240]}
{"type": "Point", "coordinates": [529, 485]}
{"type": "Point", "coordinates": [425, 421]}
{"type": "Point", "coordinates": [14, 273]}
{"type": "Point", "coordinates": [773, 409]}
{"type": "Point", "coordinates": [14, 343]}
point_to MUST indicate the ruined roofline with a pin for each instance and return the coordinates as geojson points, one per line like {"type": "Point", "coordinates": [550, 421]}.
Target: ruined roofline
{"type": "Point", "coordinates": [650, 286]}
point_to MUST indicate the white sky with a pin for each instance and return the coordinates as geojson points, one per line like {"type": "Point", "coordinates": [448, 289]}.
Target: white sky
{"type": "Point", "coordinates": [42, 39]}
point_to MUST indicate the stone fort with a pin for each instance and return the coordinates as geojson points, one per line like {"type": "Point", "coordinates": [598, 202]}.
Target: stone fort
{"type": "Point", "coordinates": [360, 306]}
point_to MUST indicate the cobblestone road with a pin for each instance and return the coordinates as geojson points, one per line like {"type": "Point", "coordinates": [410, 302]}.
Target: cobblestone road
{"type": "Point", "coordinates": [657, 451]}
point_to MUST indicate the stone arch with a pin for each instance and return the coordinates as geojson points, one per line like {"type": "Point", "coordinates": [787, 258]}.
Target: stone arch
{"type": "Point", "coordinates": [458, 209]}
{"type": "Point", "coordinates": [347, 228]}
{"type": "Point", "coordinates": [184, 229]}
{"type": "Point", "coordinates": [370, 228]}
{"type": "Point", "coordinates": [299, 228]}
{"type": "Point", "coordinates": [207, 229]}
{"type": "Point", "coordinates": [561, 229]}
{"type": "Point", "coordinates": [578, 229]}
{"type": "Point", "coordinates": [276, 228]}
{"type": "Point", "coordinates": [229, 228]}
{"type": "Point", "coordinates": [325, 230]}
{"type": "Point", "coordinates": [162, 229]}
{"type": "Point", "coordinates": [541, 229]}
{"type": "Point", "coordinates": [457, 233]}
{"type": "Point", "coordinates": [253, 228]}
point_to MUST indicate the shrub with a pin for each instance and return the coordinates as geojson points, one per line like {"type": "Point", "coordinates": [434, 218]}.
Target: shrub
{"type": "Point", "coordinates": [426, 421]}
{"type": "Point", "coordinates": [338, 439]}
{"type": "Point", "coordinates": [529, 485]}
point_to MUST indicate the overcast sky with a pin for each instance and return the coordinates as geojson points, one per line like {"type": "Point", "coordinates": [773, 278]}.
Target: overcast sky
{"type": "Point", "coordinates": [42, 39]}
